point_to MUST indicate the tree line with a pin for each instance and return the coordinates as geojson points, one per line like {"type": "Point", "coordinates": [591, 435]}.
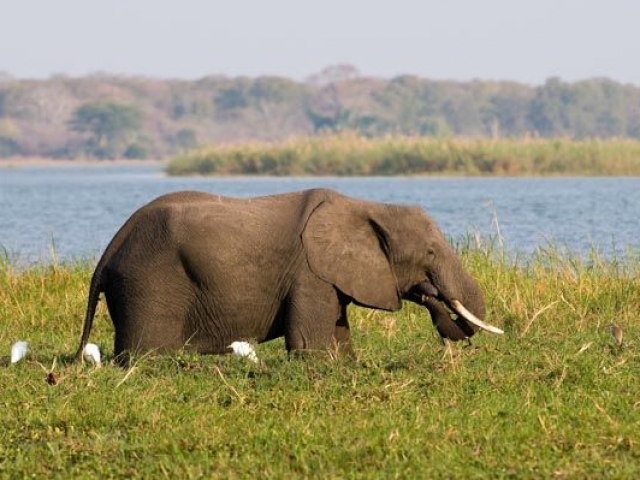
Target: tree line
{"type": "Point", "coordinates": [102, 116]}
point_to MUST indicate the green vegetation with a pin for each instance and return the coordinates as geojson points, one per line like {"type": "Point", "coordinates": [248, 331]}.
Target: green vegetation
{"type": "Point", "coordinates": [552, 398]}
{"type": "Point", "coordinates": [109, 126]}
{"type": "Point", "coordinates": [351, 154]}
{"type": "Point", "coordinates": [57, 117]}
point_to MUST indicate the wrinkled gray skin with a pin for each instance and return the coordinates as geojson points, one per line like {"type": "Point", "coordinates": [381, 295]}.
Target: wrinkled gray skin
{"type": "Point", "coordinates": [456, 328]}
{"type": "Point", "coordinates": [199, 271]}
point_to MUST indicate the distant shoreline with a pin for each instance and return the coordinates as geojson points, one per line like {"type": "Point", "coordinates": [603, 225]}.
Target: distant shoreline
{"type": "Point", "coordinates": [55, 162]}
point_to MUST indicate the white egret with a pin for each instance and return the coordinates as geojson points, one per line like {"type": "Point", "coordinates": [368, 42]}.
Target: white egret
{"type": "Point", "coordinates": [244, 349]}
{"type": "Point", "coordinates": [91, 354]}
{"type": "Point", "coordinates": [19, 350]}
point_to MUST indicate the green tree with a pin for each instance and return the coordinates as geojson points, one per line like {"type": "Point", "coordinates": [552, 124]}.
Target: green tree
{"type": "Point", "coordinates": [508, 108]}
{"type": "Point", "coordinates": [548, 110]}
{"type": "Point", "coordinates": [232, 98]}
{"type": "Point", "coordinates": [276, 90]}
{"type": "Point", "coordinates": [9, 138]}
{"type": "Point", "coordinates": [185, 139]}
{"type": "Point", "coordinates": [110, 126]}
{"type": "Point", "coordinates": [3, 102]}
{"type": "Point", "coordinates": [590, 108]}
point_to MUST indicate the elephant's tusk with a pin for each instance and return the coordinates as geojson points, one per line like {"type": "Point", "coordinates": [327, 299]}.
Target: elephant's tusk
{"type": "Point", "coordinates": [460, 309]}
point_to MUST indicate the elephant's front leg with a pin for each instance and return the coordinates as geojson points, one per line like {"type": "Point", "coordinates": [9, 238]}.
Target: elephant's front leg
{"type": "Point", "coordinates": [316, 320]}
{"type": "Point", "coordinates": [342, 335]}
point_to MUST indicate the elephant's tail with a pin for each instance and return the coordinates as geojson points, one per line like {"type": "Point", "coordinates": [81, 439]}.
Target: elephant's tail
{"type": "Point", "coordinates": [94, 296]}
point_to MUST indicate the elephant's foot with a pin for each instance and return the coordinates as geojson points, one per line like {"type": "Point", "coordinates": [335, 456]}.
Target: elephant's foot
{"type": "Point", "coordinates": [123, 359]}
{"type": "Point", "coordinates": [332, 352]}
{"type": "Point", "coordinates": [308, 353]}
{"type": "Point", "coordinates": [342, 342]}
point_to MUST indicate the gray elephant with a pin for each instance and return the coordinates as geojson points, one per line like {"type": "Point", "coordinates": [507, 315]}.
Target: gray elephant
{"type": "Point", "coordinates": [199, 271]}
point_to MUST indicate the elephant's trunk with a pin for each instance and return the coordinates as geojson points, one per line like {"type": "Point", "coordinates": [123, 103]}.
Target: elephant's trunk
{"type": "Point", "coordinates": [448, 328]}
{"type": "Point", "coordinates": [467, 301]}
{"type": "Point", "coordinates": [461, 310]}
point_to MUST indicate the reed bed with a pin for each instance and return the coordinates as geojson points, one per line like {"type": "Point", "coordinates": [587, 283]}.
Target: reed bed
{"type": "Point", "coordinates": [349, 154]}
{"type": "Point", "coordinates": [553, 397]}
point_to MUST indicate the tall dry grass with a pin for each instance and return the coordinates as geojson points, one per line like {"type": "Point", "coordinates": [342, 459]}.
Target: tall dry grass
{"type": "Point", "coordinates": [350, 154]}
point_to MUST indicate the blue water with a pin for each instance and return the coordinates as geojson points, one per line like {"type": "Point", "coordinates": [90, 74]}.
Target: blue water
{"type": "Point", "coordinates": [76, 210]}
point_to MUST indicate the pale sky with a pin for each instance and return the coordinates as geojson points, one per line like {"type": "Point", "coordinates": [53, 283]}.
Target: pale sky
{"type": "Point", "coordinates": [522, 40]}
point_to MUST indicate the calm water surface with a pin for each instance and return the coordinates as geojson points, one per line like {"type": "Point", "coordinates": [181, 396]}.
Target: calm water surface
{"type": "Point", "coordinates": [78, 209]}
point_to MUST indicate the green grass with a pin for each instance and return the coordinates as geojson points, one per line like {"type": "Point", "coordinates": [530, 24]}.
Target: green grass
{"type": "Point", "coordinates": [349, 154]}
{"type": "Point", "coordinates": [551, 398]}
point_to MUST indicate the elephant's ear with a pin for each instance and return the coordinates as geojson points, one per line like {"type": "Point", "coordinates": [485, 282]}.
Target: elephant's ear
{"type": "Point", "coordinates": [349, 249]}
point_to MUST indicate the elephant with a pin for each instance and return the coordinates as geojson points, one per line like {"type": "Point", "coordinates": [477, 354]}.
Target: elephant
{"type": "Point", "coordinates": [199, 271]}
{"type": "Point", "coordinates": [455, 329]}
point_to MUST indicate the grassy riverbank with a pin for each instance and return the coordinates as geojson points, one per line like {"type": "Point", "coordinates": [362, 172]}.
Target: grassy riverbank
{"type": "Point", "coordinates": [349, 154]}
{"type": "Point", "coordinates": [551, 398]}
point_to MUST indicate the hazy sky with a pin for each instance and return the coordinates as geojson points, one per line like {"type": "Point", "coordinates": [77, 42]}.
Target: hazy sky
{"type": "Point", "coordinates": [522, 40]}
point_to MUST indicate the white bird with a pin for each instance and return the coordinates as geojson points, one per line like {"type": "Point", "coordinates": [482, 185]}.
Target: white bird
{"type": "Point", "coordinates": [91, 354]}
{"type": "Point", "coordinates": [244, 349]}
{"type": "Point", "coordinates": [19, 350]}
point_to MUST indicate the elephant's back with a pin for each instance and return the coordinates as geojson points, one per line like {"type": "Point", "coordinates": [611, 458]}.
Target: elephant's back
{"type": "Point", "coordinates": [198, 198]}
{"type": "Point", "coordinates": [228, 226]}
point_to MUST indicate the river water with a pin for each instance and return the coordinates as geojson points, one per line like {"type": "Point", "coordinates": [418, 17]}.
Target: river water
{"type": "Point", "coordinates": [75, 210]}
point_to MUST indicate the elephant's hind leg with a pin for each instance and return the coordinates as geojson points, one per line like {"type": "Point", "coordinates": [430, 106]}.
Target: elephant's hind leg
{"type": "Point", "coordinates": [147, 316]}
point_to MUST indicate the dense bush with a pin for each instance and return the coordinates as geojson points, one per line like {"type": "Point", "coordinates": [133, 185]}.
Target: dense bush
{"type": "Point", "coordinates": [351, 154]}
